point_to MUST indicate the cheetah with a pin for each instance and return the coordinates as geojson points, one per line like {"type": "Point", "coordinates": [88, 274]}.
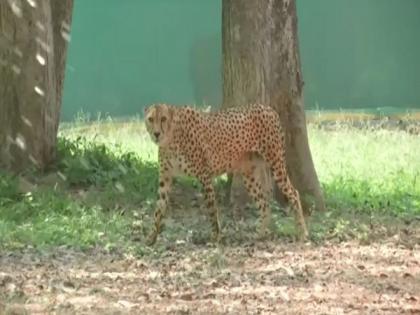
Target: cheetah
{"type": "Point", "coordinates": [206, 145]}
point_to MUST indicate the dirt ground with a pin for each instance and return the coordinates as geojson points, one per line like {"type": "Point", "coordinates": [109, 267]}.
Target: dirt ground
{"type": "Point", "coordinates": [254, 278]}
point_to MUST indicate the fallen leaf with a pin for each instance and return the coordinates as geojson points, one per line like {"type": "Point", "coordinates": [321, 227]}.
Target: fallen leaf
{"type": "Point", "coordinates": [407, 275]}
{"type": "Point", "coordinates": [68, 286]}
{"type": "Point", "coordinates": [186, 297]}
{"type": "Point", "coordinates": [126, 304]}
{"type": "Point", "coordinates": [411, 298]}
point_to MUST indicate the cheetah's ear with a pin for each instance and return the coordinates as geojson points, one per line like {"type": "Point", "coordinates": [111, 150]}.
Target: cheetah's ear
{"type": "Point", "coordinates": [146, 109]}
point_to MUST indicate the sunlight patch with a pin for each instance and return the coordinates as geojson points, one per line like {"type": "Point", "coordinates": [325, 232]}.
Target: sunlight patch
{"type": "Point", "coordinates": [26, 121]}
{"type": "Point", "coordinates": [20, 142]}
{"type": "Point", "coordinates": [40, 26]}
{"type": "Point", "coordinates": [33, 160]}
{"type": "Point", "coordinates": [62, 176]}
{"type": "Point", "coordinates": [41, 60]}
{"type": "Point", "coordinates": [119, 187]}
{"type": "Point", "coordinates": [16, 69]}
{"type": "Point", "coordinates": [43, 45]}
{"type": "Point", "coordinates": [16, 9]}
{"type": "Point", "coordinates": [32, 3]}
{"type": "Point", "coordinates": [65, 35]}
{"type": "Point", "coordinates": [18, 52]}
{"type": "Point", "coordinates": [39, 91]}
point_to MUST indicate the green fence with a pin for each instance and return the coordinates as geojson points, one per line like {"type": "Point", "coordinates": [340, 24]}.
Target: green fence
{"type": "Point", "coordinates": [124, 54]}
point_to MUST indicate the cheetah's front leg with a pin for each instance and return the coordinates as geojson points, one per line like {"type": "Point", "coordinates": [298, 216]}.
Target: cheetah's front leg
{"type": "Point", "coordinates": [165, 183]}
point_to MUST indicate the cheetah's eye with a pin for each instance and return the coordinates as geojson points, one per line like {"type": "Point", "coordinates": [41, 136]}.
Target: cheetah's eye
{"type": "Point", "coordinates": [163, 119]}
{"type": "Point", "coordinates": [150, 119]}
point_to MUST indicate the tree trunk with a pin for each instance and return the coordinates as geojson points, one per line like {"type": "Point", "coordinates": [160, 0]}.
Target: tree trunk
{"type": "Point", "coordinates": [261, 64]}
{"type": "Point", "coordinates": [30, 82]}
{"type": "Point", "coordinates": [62, 16]}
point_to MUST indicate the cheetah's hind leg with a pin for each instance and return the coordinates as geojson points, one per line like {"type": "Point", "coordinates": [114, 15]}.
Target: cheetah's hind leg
{"type": "Point", "coordinates": [278, 167]}
{"type": "Point", "coordinates": [214, 215]}
{"type": "Point", "coordinates": [253, 171]}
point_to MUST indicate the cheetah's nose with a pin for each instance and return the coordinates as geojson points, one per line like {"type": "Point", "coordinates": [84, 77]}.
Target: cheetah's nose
{"type": "Point", "coordinates": [157, 134]}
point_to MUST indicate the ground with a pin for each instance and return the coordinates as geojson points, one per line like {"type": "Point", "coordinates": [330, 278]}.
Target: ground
{"type": "Point", "coordinates": [253, 278]}
{"type": "Point", "coordinates": [72, 241]}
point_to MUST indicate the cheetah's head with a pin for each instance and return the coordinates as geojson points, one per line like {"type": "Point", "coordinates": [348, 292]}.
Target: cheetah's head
{"type": "Point", "coordinates": [158, 119]}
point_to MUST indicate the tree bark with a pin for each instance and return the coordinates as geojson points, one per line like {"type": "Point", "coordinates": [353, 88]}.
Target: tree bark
{"type": "Point", "coordinates": [30, 82]}
{"type": "Point", "coordinates": [261, 64]}
{"type": "Point", "coordinates": [62, 13]}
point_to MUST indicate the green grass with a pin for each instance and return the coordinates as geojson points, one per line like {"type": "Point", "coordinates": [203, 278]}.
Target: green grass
{"type": "Point", "coordinates": [368, 169]}
{"type": "Point", "coordinates": [102, 190]}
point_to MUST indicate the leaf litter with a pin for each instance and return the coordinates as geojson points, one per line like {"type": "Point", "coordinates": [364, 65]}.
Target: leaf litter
{"type": "Point", "coordinates": [271, 277]}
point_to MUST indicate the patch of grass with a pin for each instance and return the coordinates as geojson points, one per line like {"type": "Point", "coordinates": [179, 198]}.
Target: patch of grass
{"type": "Point", "coordinates": [368, 170]}
{"type": "Point", "coordinates": [106, 171]}
{"type": "Point", "coordinates": [107, 175]}
{"type": "Point", "coordinates": [47, 217]}
{"type": "Point", "coordinates": [102, 185]}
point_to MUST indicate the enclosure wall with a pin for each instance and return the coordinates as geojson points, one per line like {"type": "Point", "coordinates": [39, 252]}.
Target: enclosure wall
{"type": "Point", "coordinates": [126, 54]}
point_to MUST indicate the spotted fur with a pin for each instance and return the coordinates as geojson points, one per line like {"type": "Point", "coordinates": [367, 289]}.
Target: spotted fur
{"type": "Point", "coordinates": [206, 145]}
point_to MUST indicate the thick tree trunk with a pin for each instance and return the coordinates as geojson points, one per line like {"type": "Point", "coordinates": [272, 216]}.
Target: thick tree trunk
{"type": "Point", "coordinates": [261, 64]}
{"type": "Point", "coordinates": [30, 96]}
{"type": "Point", "coordinates": [62, 16]}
